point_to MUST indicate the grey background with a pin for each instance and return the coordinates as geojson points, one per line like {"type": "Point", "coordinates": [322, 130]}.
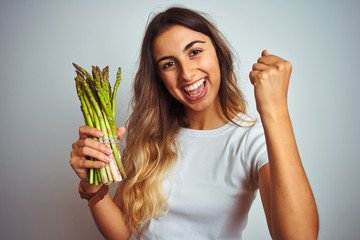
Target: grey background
{"type": "Point", "coordinates": [40, 115]}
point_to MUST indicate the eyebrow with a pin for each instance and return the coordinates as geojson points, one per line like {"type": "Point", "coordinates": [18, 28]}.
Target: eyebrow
{"type": "Point", "coordinates": [189, 45]}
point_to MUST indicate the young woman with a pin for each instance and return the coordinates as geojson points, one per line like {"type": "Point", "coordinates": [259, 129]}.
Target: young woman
{"type": "Point", "coordinates": [193, 158]}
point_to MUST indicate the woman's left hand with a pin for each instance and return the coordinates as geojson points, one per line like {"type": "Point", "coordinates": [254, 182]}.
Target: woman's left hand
{"type": "Point", "coordinates": [270, 77]}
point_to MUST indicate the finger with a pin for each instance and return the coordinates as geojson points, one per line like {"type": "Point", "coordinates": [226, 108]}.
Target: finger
{"type": "Point", "coordinates": [91, 164]}
{"type": "Point", "coordinates": [80, 165]}
{"type": "Point", "coordinates": [253, 76]}
{"type": "Point", "coordinates": [86, 131]}
{"type": "Point", "coordinates": [265, 53]}
{"type": "Point", "coordinates": [84, 152]}
{"type": "Point", "coordinates": [91, 143]}
{"type": "Point", "coordinates": [121, 131]}
{"type": "Point", "coordinates": [259, 67]}
{"type": "Point", "coordinates": [269, 59]}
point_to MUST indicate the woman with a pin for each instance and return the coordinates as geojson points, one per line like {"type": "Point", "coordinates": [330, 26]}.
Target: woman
{"type": "Point", "coordinates": [194, 160]}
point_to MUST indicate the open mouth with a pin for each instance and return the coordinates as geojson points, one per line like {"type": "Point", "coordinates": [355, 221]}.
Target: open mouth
{"type": "Point", "coordinates": [195, 90]}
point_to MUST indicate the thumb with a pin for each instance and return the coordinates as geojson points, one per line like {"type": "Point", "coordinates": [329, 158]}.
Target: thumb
{"type": "Point", "coordinates": [120, 132]}
{"type": "Point", "coordinates": [265, 53]}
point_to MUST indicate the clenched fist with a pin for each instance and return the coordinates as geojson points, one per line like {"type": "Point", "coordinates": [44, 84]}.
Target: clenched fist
{"type": "Point", "coordinates": [270, 76]}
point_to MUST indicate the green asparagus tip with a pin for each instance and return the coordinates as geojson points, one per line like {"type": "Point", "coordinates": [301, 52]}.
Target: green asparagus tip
{"type": "Point", "coordinates": [78, 67]}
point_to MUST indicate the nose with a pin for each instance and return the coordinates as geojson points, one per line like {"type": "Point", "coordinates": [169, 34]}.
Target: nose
{"type": "Point", "coordinates": [187, 71]}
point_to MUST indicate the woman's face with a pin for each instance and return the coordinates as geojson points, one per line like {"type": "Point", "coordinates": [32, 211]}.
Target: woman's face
{"type": "Point", "coordinates": [188, 65]}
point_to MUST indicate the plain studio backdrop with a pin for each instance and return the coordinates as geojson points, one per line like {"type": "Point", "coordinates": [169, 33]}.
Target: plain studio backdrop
{"type": "Point", "coordinates": [40, 111]}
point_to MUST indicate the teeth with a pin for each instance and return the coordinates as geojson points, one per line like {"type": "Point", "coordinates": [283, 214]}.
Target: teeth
{"type": "Point", "coordinates": [195, 85]}
{"type": "Point", "coordinates": [195, 94]}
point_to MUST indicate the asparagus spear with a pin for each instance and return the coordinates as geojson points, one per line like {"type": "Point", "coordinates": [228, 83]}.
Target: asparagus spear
{"type": "Point", "coordinates": [98, 106]}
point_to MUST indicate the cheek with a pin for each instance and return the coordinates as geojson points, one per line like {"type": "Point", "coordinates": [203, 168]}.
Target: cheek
{"type": "Point", "coordinates": [170, 85]}
{"type": "Point", "coordinates": [212, 63]}
{"type": "Point", "coordinates": [214, 69]}
{"type": "Point", "coordinates": [169, 79]}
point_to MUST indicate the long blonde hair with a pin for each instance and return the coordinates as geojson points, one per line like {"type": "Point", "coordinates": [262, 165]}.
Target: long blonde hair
{"type": "Point", "coordinates": [151, 150]}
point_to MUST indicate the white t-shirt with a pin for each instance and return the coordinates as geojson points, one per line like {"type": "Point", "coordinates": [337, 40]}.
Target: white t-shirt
{"type": "Point", "coordinates": [213, 184]}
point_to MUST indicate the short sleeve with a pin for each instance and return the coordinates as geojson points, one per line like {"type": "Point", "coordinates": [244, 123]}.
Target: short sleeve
{"type": "Point", "coordinates": [255, 151]}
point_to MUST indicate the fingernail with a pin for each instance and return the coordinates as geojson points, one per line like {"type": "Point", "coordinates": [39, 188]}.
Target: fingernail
{"type": "Point", "coordinates": [108, 150]}
{"type": "Point", "coordinates": [107, 158]}
{"type": "Point", "coordinates": [100, 134]}
{"type": "Point", "coordinates": [101, 164]}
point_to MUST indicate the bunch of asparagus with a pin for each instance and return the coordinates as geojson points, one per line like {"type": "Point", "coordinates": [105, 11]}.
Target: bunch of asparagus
{"type": "Point", "coordinates": [98, 108]}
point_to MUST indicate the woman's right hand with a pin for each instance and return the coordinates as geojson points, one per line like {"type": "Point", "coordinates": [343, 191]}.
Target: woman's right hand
{"type": "Point", "coordinates": [88, 147]}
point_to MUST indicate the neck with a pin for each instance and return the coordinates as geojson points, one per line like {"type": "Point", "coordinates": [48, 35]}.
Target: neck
{"type": "Point", "coordinates": [210, 118]}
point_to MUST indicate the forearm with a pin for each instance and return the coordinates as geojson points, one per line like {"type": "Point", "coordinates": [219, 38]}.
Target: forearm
{"type": "Point", "coordinates": [293, 208]}
{"type": "Point", "coordinates": [109, 218]}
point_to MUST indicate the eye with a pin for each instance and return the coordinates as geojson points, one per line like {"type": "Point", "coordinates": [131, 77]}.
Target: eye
{"type": "Point", "coordinates": [167, 65]}
{"type": "Point", "coordinates": [195, 52]}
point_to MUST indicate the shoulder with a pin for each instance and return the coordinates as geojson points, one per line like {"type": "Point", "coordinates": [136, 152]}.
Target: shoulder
{"type": "Point", "coordinates": [252, 135]}
{"type": "Point", "coordinates": [247, 126]}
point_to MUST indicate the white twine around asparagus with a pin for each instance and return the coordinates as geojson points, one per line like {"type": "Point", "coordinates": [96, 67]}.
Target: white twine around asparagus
{"type": "Point", "coordinates": [107, 139]}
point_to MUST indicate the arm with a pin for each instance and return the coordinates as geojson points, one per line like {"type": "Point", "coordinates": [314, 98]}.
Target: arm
{"type": "Point", "coordinates": [107, 215]}
{"type": "Point", "coordinates": [286, 194]}
{"type": "Point", "coordinates": [110, 219]}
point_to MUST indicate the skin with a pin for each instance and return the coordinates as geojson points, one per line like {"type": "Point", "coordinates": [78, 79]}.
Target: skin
{"type": "Point", "coordinates": [286, 195]}
{"type": "Point", "coordinates": [183, 58]}
{"type": "Point", "coordinates": [107, 215]}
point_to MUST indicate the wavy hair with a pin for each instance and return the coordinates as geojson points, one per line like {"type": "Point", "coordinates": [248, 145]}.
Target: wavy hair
{"type": "Point", "coordinates": [151, 150]}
